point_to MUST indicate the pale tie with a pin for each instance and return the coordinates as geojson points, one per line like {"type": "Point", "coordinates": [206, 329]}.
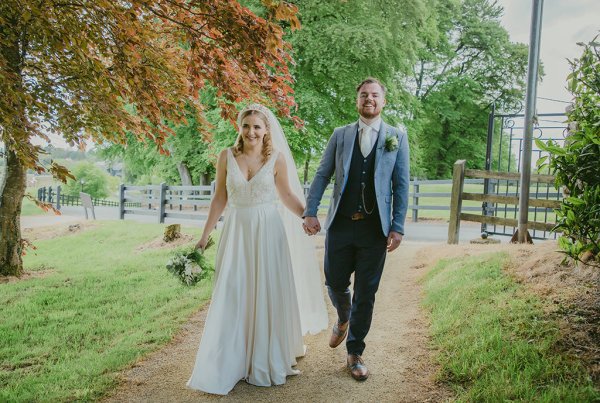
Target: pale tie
{"type": "Point", "coordinates": [365, 141]}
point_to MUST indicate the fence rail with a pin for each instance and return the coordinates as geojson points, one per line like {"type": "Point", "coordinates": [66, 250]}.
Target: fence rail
{"type": "Point", "coordinates": [491, 200]}
{"type": "Point", "coordinates": [162, 200]}
{"type": "Point", "coordinates": [57, 197]}
{"type": "Point", "coordinates": [153, 200]}
{"type": "Point", "coordinates": [191, 202]}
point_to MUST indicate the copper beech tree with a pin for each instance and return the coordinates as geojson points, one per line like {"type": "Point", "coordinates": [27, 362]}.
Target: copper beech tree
{"type": "Point", "coordinates": [92, 70]}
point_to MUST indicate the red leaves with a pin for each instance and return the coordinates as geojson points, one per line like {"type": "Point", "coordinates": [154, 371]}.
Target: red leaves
{"type": "Point", "coordinates": [60, 172]}
{"type": "Point", "coordinates": [104, 68]}
{"type": "Point", "coordinates": [288, 12]}
{"type": "Point", "coordinates": [44, 206]}
{"type": "Point", "coordinates": [26, 244]}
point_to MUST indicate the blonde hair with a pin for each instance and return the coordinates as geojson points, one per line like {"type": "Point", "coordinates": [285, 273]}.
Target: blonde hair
{"type": "Point", "coordinates": [267, 150]}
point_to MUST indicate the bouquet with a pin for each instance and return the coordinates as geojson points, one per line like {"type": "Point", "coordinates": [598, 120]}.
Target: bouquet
{"type": "Point", "coordinates": [190, 265]}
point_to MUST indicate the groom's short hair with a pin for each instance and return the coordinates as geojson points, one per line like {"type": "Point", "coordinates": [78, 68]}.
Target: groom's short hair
{"type": "Point", "coordinates": [371, 80]}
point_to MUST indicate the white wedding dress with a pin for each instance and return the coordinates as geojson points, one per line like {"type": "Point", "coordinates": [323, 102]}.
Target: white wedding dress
{"type": "Point", "coordinates": [253, 328]}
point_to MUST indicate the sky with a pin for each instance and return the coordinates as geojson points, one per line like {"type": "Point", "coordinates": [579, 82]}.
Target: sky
{"type": "Point", "coordinates": [564, 23]}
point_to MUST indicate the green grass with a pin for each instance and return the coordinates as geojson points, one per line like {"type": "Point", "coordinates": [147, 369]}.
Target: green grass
{"type": "Point", "coordinates": [104, 304]}
{"type": "Point", "coordinates": [494, 341]}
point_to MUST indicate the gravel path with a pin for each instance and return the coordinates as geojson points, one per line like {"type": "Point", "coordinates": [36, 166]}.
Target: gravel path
{"type": "Point", "coordinates": [397, 355]}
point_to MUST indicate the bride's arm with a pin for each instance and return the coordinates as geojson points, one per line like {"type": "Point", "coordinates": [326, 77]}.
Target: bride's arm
{"type": "Point", "coordinates": [289, 199]}
{"type": "Point", "coordinates": [218, 202]}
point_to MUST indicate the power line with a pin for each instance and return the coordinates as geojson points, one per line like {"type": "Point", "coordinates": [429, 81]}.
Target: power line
{"type": "Point", "coordinates": [555, 100]}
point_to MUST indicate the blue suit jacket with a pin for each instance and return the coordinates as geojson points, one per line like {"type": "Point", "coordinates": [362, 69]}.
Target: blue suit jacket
{"type": "Point", "coordinates": [391, 176]}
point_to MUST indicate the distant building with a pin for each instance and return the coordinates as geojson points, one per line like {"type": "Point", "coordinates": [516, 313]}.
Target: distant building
{"type": "Point", "coordinates": [113, 168]}
{"type": "Point", "coordinates": [116, 169]}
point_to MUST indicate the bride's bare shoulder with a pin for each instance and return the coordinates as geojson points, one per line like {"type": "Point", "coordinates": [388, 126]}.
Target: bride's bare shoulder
{"type": "Point", "coordinates": [222, 158]}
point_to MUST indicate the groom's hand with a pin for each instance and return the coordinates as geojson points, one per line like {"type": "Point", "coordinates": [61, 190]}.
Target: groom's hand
{"type": "Point", "coordinates": [394, 240]}
{"type": "Point", "coordinates": [311, 225]}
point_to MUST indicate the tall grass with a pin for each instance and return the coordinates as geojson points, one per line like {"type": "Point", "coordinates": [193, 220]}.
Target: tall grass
{"type": "Point", "coordinates": [101, 305]}
{"type": "Point", "coordinates": [495, 342]}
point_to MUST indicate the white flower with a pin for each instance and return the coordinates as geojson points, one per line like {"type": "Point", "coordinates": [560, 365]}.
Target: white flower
{"type": "Point", "coordinates": [196, 269]}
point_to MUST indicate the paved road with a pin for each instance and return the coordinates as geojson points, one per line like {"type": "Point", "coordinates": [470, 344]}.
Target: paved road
{"type": "Point", "coordinates": [422, 231]}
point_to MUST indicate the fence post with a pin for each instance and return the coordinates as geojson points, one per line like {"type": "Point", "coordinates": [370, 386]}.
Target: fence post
{"type": "Point", "coordinates": [49, 194]}
{"type": "Point", "coordinates": [458, 180]}
{"type": "Point", "coordinates": [58, 195]}
{"type": "Point", "coordinates": [163, 202]}
{"type": "Point", "coordinates": [415, 209]}
{"type": "Point", "coordinates": [121, 201]}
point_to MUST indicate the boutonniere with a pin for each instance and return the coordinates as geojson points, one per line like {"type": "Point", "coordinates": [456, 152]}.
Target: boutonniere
{"type": "Point", "coordinates": [391, 142]}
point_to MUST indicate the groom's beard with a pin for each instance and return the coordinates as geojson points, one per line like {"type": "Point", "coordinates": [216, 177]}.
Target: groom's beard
{"type": "Point", "coordinates": [369, 114]}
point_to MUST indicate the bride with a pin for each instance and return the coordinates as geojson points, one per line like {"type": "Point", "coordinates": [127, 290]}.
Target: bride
{"type": "Point", "coordinates": [267, 292]}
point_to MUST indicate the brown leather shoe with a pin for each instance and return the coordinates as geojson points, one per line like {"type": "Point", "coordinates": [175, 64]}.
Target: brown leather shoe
{"type": "Point", "coordinates": [357, 367]}
{"type": "Point", "coordinates": [338, 335]}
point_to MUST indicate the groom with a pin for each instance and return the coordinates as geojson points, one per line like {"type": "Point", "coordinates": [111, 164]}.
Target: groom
{"type": "Point", "coordinates": [366, 216]}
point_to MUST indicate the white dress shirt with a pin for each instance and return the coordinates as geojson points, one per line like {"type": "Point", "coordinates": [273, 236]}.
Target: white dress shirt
{"type": "Point", "coordinates": [375, 127]}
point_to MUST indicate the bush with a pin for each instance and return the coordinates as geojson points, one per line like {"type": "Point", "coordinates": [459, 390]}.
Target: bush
{"type": "Point", "coordinates": [576, 164]}
{"type": "Point", "coordinates": [89, 179]}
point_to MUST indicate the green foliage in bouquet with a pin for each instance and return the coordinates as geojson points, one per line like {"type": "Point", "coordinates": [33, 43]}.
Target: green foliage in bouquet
{"type": "Point", "coordinates": [576, 163]}
{"type": "Point", "coordinates": [190, 265]}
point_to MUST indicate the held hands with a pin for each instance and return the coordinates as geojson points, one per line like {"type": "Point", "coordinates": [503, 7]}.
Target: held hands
{"type": "Point", "coordinates": [393, 241]}
{"type": "Point", "coordinates": [311, 225]}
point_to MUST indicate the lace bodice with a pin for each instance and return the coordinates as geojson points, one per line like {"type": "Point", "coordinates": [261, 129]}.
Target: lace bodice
{"type": "Point", "coordinates": [259, 189]}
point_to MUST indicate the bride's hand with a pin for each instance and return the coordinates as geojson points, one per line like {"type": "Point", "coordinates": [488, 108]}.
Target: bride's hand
{"type": "Point", "coordinates": [201, 244]}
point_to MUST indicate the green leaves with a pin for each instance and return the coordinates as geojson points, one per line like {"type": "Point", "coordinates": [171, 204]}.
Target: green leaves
{"type": "Point", "coordinates": [339, 45]}
{"type": "Point", "coordinates": [576, 165]}
{"type": "Point", "coordinates": [465, 63]}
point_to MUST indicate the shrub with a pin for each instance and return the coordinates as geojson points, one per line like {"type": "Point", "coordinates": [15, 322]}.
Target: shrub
{"type": "Point", "coordinates": [576, 164]}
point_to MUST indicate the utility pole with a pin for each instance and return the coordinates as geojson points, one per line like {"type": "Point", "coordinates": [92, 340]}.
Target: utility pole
{"type": "Point", "coordinates": [532, 79]}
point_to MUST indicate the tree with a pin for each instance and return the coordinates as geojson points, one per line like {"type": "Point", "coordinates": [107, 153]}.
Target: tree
{"type": "Point", "coordinates": [465, 63]}
{"type": "Point", "coordinates": [191, 158]}
{"type": "Point", "coordinates": [88, 178]}
{"type": "Point", "coordinates": [71, 67]}
{"type": "Point", "coordinates": [340, 44]}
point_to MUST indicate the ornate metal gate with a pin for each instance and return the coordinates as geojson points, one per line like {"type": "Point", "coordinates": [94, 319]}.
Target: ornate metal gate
{"type": "Point", "coordinates": [503, 153]}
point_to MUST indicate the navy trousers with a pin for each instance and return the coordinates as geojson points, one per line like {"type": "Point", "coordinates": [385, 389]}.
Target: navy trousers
{"type": "Point", "coordinates": [357, 247]}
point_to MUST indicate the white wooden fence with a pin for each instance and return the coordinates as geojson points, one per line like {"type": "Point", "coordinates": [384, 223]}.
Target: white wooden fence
{"type": "Point", "coordinates": [191, 202]}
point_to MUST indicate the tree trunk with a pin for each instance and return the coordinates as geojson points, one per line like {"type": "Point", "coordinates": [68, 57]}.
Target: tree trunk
{"type": "Point", "coordinates": [11, 198]}
{"type": "Point", "coordinates": [204, 181]}
{"type": "Point", "coordinates": [184, 174]}
{"type": "Point", "coordinates": [11, 263]}
{"type": "Point", "coordinates": [306, 164]}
